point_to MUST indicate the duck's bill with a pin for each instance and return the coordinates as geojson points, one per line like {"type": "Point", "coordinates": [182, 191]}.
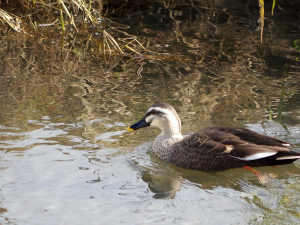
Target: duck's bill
{"type": "Point", "coordinates": [138, 125]}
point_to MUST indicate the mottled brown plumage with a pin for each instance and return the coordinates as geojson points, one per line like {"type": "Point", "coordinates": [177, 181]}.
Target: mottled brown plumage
{"type": "Point", "coordinates": [213, 148]}
{"type": "Point", "coordinates": [221, 148]}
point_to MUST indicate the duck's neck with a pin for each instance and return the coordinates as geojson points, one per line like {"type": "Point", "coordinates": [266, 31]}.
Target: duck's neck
{"type": "Point", "coordinates": [171, 128]}
{"type": "Point", "coordinates": [171, 132]}
{"type": "Point", "coordinates": [163, 143]}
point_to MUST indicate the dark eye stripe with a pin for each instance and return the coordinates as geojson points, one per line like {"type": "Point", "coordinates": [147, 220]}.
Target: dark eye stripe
{"type": "Point", "coordinates": [154, 112]}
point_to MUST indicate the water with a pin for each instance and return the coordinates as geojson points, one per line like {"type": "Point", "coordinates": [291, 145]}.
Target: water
{"type": "Point", "coordinates": [65, 154]}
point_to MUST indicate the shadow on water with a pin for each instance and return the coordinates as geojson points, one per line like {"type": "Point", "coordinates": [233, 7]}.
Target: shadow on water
{"type": "Point", "coordinates": [64, 149]}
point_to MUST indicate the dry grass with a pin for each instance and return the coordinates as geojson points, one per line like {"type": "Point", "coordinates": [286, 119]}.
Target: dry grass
{"type": "Point", "coordinates": [12, 20]}
{"type": "Point", "coordinates": [64, 14]}
{"type": "Point", "coordinates": [70, 17]}
{"type": "Point", "coordinates": [83, 18]}
{"type": "Point", "coordinates": [49, 8]}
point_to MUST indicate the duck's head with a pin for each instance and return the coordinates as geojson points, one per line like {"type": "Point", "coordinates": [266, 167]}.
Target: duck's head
{"type": "Point", "coordinates": [162, 116]}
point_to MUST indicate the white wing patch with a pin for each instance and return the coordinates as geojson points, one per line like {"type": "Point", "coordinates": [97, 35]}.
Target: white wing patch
{"type": "Point", "coordinates": [229, 148]}
{"type": "Point", "coordinates": [286, 144]}
{"type": "Point", "coordinates": [257, 156]}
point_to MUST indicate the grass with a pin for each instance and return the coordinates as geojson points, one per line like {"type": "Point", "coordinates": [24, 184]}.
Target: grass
{"type": "Point", "coordinates": [11, 20]}
{"type": "Point", "coordinates": [75, 20]}
{"type": "Point", "coordinates": [83, 18]}
{"type": "Point", "coordinates": [76, 16]}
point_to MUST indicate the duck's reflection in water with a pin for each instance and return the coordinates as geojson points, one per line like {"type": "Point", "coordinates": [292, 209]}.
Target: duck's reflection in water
{"type": "Point", "coordinates": [164, 184]}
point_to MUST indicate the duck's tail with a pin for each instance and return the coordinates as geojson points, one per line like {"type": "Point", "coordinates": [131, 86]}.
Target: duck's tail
{"type": "Point", "coordinates": [287, 155]}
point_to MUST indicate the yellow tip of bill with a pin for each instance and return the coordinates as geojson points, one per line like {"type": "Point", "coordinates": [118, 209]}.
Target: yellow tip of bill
{"type": "Point", "coordinates": [129, 129]}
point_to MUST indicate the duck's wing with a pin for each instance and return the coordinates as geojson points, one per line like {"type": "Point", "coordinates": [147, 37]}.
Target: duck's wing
{"type": "Point", "coordinates": [214, 149]}
{"type": "Point", "coordinates": [249, 136]}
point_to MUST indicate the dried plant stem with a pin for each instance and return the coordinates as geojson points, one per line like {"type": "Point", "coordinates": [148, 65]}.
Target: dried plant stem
{"type": "Point", "coordinates": [109, 39]}
{"type": "Point", "coordinates": [262, 12]}
{"type": "Point", "coordinates": [12, 20]}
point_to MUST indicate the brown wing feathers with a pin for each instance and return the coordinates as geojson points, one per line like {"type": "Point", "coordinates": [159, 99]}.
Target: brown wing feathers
{"type": "Point", "coordinates": [249, 136]}
{"type": "Point", "coordinates": [218, 149]}
{"type": "Point", "coordinates": [243, 149]}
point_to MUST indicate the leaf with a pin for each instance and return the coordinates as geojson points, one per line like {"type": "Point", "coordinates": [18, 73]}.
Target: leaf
{"type": "Point", "coordinates": [273, 6]}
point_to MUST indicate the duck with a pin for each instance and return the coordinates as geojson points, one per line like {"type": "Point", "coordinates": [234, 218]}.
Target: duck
{"type": "Point", "coordinates": [214, 148]}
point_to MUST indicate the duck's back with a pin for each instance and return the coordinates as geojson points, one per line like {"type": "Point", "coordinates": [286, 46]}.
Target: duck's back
{"type": "Point", "coordinates": [221, 148]}
{"type": "Point", "coordinates": [247, 135]}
